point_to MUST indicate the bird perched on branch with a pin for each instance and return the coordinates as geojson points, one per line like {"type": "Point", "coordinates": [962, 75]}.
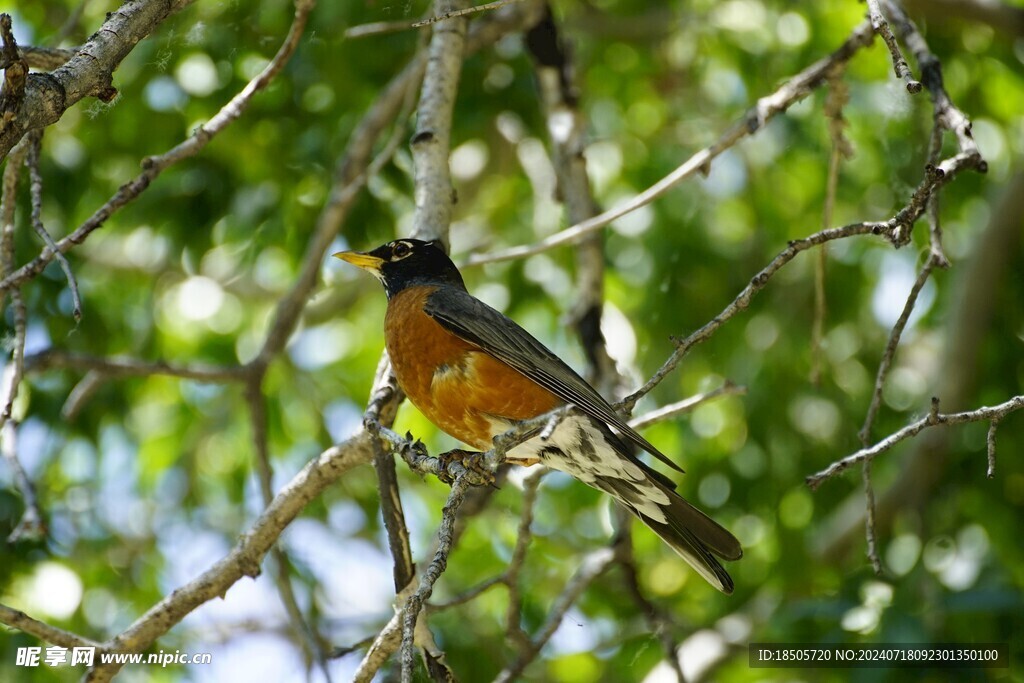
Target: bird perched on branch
{"type": "Point", "coordinates": [475, 373]}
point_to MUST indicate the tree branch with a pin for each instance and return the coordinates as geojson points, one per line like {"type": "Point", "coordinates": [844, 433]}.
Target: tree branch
{"type": "Point", "coordinates": [304, 632]}
{"type": "Point", "coordinates": [36, 190]}
{"type": "Point", "coordinates": [766, 108]}
{"type": "Point", "coordinates": [925, 198]}
{"type": "Point", "coordinates": [567, 130]}
{"type": "Point", "coordinates": [46, 58]}
{"type": "Point", "coordinates": [153, 166]}
{"type": "Point", "coordinates": [897, 229]}
{"type": "Point", "coordinates": [742, 301]}
{"type": "Point", "coordinates": [245, 558]}
{"type": "Point", "coordinates": [932, 419]}
{"type": "Point", "coordinates": [387, 483]}
{"type": "Point", "coordinates": [126, 366]}
{"type": "Point", "coordinates": [890, 350]}
{"type": "Point", "coordinates": [593, 566]}
{"type": "Point", "coordinates": [686, 405]}
{"type": "Point", "coordinates": [836, 98]}
{"type": "Point", "coordinates": [514, 632]}
{"type": "Point", "coordinates": [43, 631]}
{"type": "Point", "coordinates": [946, 113]}
{"type": "Point", "coordinates": [31, 524]}
{"type": "Point", "coordinates": [463, 12]}
{"type": "Point", "coordinates": [659, 623]}
{"type": "Point", "coordinates": [431, 143]}
{"type": "Point", "coordinates": [966, 328]}
{"type": "Point", "coordinates": [89, 73]}
{"type": "Point", "coordinates": [445, 535]}
{"type": "Point", "coordinates": [12, 94]}
{"type": "Point", "coordinates": [899, 64]}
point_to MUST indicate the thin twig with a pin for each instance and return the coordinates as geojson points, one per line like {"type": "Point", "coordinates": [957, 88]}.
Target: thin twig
{"type": "Point", "coordinates": [899, 64]}
{"type": "Point", "coordinates": [31, 526]}
{"type": "Point", "coordinates": [990, 441]}
{"type": "Point", "coordinates": [593, 566]}
{"type": "Point", "coordinates": [376, 28]}
{"type": "Point", "coordinates": [897, 230]}
{"type": "Point", "coordinates": [686, 405]}
{"type": "Point", "coordinates": [524, 535]}
{"type": "Point", "coordinates": [100, 370]}
{"type": "Point", "coordinates": [764, 110]}
{"type": "Point", "coordinates": [869, 518]}
{"type": "Point", "coordinates": [390, 501]}
{"type": "Point", "coordinates": [818, 326]}
{"type": "Point", "coordinates": [43, 631]}
{"type": "Point", "coordinates": [468, 595]}
{"type": "Point", "coordinates": [36, 187]}
{"type": "Point", "coordinates": [462, 12]}
{"type": "Point", "coordinates": [567, 130]}
{"type": "Point", "coordinates": [310, 641]}
{"type": "Point", "coordinates": [836, 98]}
{"type": "Point", "coordinates": [890, 350]}
{"type": "Point", "coordinates": [927, 199]}
{"type": "Point", "coordinates": [946, 112]}
{"type": "Point", "coordinates": [81, 394]}
{"type": "Point", "coordinates": [937, 254]}
{"type": "Point", "coordinates": [153, 166]}
{"type": "Point", "coordinates": [431, 574]}
{"type": "Point", "coordinates": [743, 299]}
{"type": "Point", "coordinates": [89, 73]}
{"type": "Point", "coordinates": [126, 366]}
{"type": "Point", "coordinates": [985, 413]}
{"type": "Point", "coordinates": [659, 623]}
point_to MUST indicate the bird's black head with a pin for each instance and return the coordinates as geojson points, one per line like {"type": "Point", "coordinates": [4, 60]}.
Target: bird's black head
{"type": "Point", "coordinates": [406, 263]}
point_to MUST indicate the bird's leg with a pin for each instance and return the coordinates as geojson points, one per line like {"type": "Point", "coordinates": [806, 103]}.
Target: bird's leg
{"type": "Point", "coordinates": [473, 461]}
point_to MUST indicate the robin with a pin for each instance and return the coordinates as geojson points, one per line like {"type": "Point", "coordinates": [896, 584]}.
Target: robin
{"type": "Point", "coordinates": [475, 373]}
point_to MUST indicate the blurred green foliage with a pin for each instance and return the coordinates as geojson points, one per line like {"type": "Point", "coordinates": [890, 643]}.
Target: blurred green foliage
{"type": "Point", "coordinates": [153, 480]}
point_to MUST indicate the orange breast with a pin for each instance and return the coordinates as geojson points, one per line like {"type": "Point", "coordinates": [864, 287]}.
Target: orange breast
{"type": "Point", "coordinates": [456, 385]}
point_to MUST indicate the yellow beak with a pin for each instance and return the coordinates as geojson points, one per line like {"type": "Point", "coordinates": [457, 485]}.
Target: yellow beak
{"type": "Point", "coordinates": [364, 261]}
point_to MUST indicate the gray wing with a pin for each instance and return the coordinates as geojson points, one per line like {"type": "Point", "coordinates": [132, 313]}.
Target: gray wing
{"type": "Point", "coordinates": [477, 323]}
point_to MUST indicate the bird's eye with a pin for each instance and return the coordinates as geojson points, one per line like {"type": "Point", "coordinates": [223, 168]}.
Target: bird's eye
{"type": "Point", "coordinates": [401, 250]}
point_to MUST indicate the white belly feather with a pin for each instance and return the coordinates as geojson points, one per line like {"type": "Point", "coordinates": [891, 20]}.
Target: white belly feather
{"type": "Point", "coordinates": [579, 448]}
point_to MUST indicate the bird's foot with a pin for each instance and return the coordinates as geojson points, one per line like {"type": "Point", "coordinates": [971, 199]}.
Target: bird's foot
{"type": "Point", "coordinates": [413, 451]}
{"type": "Point", "coordinates": [472, 461]}
{"type": "Point", "coordinates": [418, 448]}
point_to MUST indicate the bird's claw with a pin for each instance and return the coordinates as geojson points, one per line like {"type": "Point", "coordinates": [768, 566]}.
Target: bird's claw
{"type": "Point", "coordinates": [415, 446]}
{"type": "Point", "coordinates": [471, 461]}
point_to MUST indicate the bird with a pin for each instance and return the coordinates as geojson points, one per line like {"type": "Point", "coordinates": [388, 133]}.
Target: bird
{"type": "Point", "coordinates": [475, 373]}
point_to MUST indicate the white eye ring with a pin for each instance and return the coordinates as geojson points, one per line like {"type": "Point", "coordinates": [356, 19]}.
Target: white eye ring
{"type": "Point", "coordinates": [400, 251]}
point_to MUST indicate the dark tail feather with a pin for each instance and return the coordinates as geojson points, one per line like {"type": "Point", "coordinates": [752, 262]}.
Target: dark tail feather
{"type": "Point", "coordinates": [696, 537]}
